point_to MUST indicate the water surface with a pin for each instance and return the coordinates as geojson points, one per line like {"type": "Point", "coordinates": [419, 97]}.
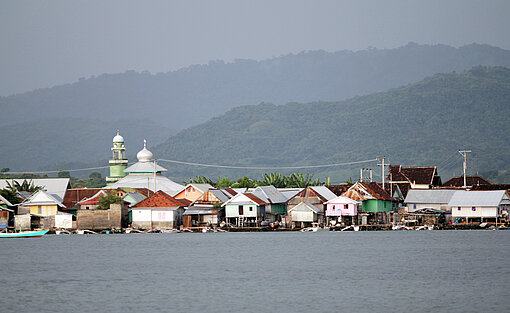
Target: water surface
{"type": "Point", "coordinates": [429, 271]}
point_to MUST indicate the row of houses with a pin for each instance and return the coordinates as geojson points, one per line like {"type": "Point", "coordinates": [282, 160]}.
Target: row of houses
{"type": "Point", "coordinates": [150, 200]}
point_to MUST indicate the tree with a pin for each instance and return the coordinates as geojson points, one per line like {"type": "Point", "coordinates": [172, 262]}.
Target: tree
{"type": "Point", "coordinates": [26, 185]}
{"type": "Point", "coordinates": [302, 181]}
{"type": "Point", "coordinates": [224, 182]}
{"type": "Point", "coordinates": [245, 182]}
{"type": "Point", "coordinates": [200, 180]}
{"type": "Point", "coordinates": [64, 174]}
{"type": "Point", "coordinates": [10, 196]}
{"type": "Point", "coordinates": [275, 179]}
{"type": "Point", "coordinates": [106, 200]}
{"type": "Point", "coordinates": [5, 170]}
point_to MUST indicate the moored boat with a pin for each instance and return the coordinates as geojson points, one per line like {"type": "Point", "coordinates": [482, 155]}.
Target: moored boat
{"type": "Point", "coordinates": [24, 234]}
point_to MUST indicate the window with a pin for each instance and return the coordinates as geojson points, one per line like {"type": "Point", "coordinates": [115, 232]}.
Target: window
{"type": "Point", "coordinates": [241, 212]}
{"type": "Point", "coordinates": [39, 210]}
{"type": "Point", "coordinates": [458, 209]}
{"type": "Point", "coordinates": [346, 206]}
{"type": "Point", "coordinates": [251, 209]}
{"type": "Point", "coordinates": [473, 209]}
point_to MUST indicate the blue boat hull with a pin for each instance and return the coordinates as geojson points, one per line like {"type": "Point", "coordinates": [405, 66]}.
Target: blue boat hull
{"type": "Point", "coordinates": [24, 234]}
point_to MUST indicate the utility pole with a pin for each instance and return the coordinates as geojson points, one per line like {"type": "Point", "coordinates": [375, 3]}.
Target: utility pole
{"type": "Point", "coordinates": [361, 170]}
{"type": "Point", "coordinates": [382, 168]}
{"type": "Point", "coordinates": [464, 164]}
{"type": "Point", "coordinates": [155, 176]}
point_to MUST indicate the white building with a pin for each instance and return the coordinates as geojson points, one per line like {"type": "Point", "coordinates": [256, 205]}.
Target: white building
{"type": "Point", "coordinates": [435, 199]}
{"type": "Point", "coordinates": [147, 174]}
{"type": "Point", "coordinates": [479, 204]}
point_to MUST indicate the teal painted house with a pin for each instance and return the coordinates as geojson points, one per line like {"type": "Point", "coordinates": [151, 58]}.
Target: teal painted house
{"type": "Point", "coordinates": [373, 198]}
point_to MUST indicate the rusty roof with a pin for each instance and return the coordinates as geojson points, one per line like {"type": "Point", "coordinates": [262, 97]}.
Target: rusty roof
{"type": "Point", "coordinates": [360, 190]}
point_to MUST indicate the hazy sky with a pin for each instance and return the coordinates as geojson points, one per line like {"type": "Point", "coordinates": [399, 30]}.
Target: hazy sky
{"type": "Point", "coordinates": [46, 43]}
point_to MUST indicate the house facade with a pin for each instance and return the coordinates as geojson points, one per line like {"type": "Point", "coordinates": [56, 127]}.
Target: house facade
{"type": "Point", "coordinates": [373, 198]}
{"type": "Point", "coordinates": [433, 199]}
{"type": "Point", "coordinates": [479, 206]}
{"type": "Point", "coordinates": [304, 215]}
{"type": "Point", "coordinates": [341, 207]}
{"type": "Point", "coordinates": [245, 210]}
{"type": "Point", "coordinates": [159, 211]}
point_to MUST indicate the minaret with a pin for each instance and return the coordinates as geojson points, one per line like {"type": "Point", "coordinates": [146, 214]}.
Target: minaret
{"type": "Point", "coordinates": [119, 162]}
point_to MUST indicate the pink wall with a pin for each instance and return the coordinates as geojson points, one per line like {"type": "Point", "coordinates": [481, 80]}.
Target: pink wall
{"type": "Point", "coordinates": [338, 209]}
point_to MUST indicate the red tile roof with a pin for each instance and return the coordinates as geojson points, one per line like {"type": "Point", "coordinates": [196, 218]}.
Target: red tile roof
{"type": "Point", "coordinates": [160, 200]}
{"type": "Point", "coordinates": [255, 199]}
{"type": "Point", "coordinates": [94, 200]}
{"type": "Point", "coordinates": [422, 175]}
{"type": "Point", "coordinates": [73, 196]}
{"type": "Point", "coordinates": [339, 189]}
{"type": "Point", "coordinates": [458, 181]}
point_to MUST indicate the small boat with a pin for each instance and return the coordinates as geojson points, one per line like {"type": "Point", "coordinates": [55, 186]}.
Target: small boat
{"type": "Point", "coordinates": [350, 228]}
{"type": "Point", "coordinates": [24, 234]}
{"type": "Point", "coordinates": [63, 232]}
{"type": "Point", "coordinates": [400, 227]}
{"type": "Point", "coordinates": [85, 232]}
{"type": "Point", "coordinates": [425, 227]}
{"type": "Point", "coordinates": [133, 231]}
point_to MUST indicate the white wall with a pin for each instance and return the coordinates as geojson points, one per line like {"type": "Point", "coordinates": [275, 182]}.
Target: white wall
{"type": "Point", "coordinates": [477, 212]}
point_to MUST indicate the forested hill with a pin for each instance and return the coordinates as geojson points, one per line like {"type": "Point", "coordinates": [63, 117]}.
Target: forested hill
{"type": "Point", "coordinates": [186, 97]}
{"type": "Point", "coordinates": [71, 143]}
{"type": "Point", "coordinates": [424, 123]}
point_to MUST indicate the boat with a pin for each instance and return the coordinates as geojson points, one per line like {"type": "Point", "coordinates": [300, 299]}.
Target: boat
{"type": "Point", "coordinates": [133, 231]}
{"type": "Point", "coordinates": [350, 228]}
{"type": "Point", "coordinates": [86, 232]}
{"type": "Point", "coordinates": [400, 227]}
{"type": "Point", "coordinates": [63, 232]}
{"type": "Point", "coordinates": [24, 234]}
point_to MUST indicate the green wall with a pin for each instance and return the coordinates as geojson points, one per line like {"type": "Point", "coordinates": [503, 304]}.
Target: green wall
{"type": "Point", "coordinates": [376, 206]}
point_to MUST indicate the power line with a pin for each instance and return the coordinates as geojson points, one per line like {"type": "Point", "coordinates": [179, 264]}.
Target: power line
{"type": "Point", "coordinates": [56, 171]}
{"type": "Point", "coordinates": [203, 165]}
{"type": "Point", "coordinates": [266, 167]}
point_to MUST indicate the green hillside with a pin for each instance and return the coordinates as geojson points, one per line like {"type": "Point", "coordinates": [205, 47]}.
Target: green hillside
{"type": "Point", "coordinates": [424, 123]}
{"type": "Point", "coordinates": [71, 143]}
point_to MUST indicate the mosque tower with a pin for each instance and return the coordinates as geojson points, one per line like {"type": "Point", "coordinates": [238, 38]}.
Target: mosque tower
{"type": "Point", "coordinates": [119, 162]}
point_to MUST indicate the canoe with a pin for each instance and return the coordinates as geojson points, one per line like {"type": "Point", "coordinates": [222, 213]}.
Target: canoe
{"type": "Point", "coordinates": [24, 234]}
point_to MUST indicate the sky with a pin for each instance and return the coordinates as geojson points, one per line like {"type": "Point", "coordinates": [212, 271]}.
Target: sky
{"type": "Point", "coordinates": [48, 43]}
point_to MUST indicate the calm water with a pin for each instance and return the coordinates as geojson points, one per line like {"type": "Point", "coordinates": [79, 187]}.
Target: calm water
{"type": "Point", "coordinates": [429, 271]}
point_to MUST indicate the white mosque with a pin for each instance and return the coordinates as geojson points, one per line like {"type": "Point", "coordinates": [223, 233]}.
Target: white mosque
{"type": "Point", "coordinates": [143, 174]}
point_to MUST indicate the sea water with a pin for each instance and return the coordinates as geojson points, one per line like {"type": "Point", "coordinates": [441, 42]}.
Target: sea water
{"type": "Point", "coordinates": [407, 271]}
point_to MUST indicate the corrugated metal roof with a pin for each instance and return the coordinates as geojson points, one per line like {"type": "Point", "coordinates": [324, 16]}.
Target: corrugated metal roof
{"type": "Point", "coordinates": [42, 197]}
{"type": "Point", "coordinates": [324, 192]}
{"type": "Point", "coordinates": [288, 194]}
{"type": "Point", "coordinates": [147, 181]}
{"type": "Point", "coordinates": [429, 196]}
{"type": "Point", "coordinates": [462, 198]}
{"type": "Point", "coordinates": [305, 207]}
{"type": "Point", "coordinates": [219, 194]}
{"type": "Point", "coordinates": [56, 186]}
{"type": "Point", "coordinates": [342, 199]}
{"type": "Point", "coordinates": [269, 194]}
{"type": "Point", "coordinates": [5, 201]}
{"type": "Point", "coordinates": [144, 167]}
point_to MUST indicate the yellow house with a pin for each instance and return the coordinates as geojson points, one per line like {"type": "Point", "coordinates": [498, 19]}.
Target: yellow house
{"type": "Point", "coordinates": [193, 191]}
{"type": "Point", "coordinates": [42, 203]}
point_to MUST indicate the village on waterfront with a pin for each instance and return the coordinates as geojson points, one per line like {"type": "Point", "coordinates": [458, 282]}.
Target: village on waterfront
{"type": "Point", "coordinates": [138, 198]}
